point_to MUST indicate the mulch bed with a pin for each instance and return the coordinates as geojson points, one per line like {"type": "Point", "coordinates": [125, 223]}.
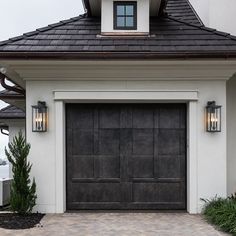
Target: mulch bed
{"type": "Point", "coordinates": [15, 221]}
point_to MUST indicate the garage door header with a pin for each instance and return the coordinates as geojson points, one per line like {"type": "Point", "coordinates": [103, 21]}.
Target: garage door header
{"type": "Point", "coordinates": [131, 95]}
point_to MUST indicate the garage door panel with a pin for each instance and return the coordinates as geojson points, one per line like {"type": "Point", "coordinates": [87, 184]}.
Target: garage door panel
{"type": "Point", "coordinates": [170, 192]}
{"type": "Point", "coordinates": [128, 156]}
{"type": "Point", "coordinates": [96, 192]}
{"type": "Point", "coordinates": [143, 117]}
{"type": "Point", "coordinates": [83, 167]}
{"type": "Point", "coordinates": [109, 166]}
{"type": "Point", "coordinates": [82, 141]}
{"type": "Point", "coordinates": [171, 141]}
{"type": "Point", "coordinates": [109, 117]}
{"type": "Point", "coordinates": [182, 142]}
{"type": "Point", "coordinates": [169, 118]}
{"type": "Point", "coordinates": [109, 142]}
{"type": "Point", "coordinates": [145, 192]}
{"type": "Point", "coordinates": [126, 142]}
{"type": "Point", "coordinates": [126, 118]}
{"type": "Point", "coordinates": [170, 166]}
{"type": "Point", "coordinates": [142, 166]}
{"type": "Point", "coordinates": [143, 142]}
{"type": "Point", "coordinates": [84, 118]}
{"type": "Point", "coordinates": [157, 192]}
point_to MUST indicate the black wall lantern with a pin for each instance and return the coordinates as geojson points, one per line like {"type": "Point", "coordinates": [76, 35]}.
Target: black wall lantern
{"type": "Point", "coordinates": [213, 117]}
{"type": "Point", "coordinates": [39, 117]}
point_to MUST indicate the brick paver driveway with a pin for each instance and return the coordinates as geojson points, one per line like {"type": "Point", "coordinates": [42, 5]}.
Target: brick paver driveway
{"type": "Point", "coordinates": [112, 224]}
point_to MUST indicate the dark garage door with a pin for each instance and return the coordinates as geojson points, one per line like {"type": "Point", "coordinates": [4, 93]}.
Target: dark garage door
{"type": "Point", "coordinates": [126, 156]}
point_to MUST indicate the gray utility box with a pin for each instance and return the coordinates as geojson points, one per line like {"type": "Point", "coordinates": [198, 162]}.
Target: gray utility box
{"type": "Point", "coordinates": [5, 185]}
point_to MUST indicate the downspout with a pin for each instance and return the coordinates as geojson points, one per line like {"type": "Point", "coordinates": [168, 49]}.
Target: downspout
{"type": "Point", "coordinates": [8, 87]}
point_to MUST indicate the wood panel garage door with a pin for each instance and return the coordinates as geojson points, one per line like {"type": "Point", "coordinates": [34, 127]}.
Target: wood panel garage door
{"type": "Point", "coordinates": [126, 156]}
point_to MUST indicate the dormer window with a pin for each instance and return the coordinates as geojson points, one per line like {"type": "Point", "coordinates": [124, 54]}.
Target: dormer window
{"type": "Point", "coordinates": [125, 15]}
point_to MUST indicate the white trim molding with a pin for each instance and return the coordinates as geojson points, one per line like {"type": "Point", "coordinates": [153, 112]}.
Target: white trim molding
{"type": "Point", "coordinates": [189, 97]}
{"type": "Point", "coordinates": [164, 95]}
{"type": "Point", "coordinates": [60, 158]}
{"type": "Point", "coordinates": [165, 70]}
{"type": "Point", "coordinates": [192, 159]}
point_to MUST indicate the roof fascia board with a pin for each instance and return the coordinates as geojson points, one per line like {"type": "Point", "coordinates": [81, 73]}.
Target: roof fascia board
{"type": "Point", "coordinates": [102, 70]}
{"type": "Point", "coordinates": [12, 97]}
{"type": "Point", "coordinates": [13, 122]}
{"type": "Point", "coordinates": [193, 62]}
{"type": "Point", "coordinates": [114, 55]}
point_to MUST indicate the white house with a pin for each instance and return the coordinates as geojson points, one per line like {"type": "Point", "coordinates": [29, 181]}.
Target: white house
{"type": "Point", "coordinates": [216, 14]}
{"type": "Point", "coordinates": [121, 95]}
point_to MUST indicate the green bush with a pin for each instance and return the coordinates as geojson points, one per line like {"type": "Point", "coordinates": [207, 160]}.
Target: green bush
{"type": "Point", "coordinates": [23, 197]}
{"type": "Point", "coordinates": [222, 213]}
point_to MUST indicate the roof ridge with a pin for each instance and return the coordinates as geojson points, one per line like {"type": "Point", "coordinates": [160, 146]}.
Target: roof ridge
{"type": "Point", "coordinates": [203, 27]}
{"type": "Point", "coordinates": [42, 29]}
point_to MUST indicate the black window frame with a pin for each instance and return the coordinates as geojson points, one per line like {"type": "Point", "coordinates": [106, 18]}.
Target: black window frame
{"type": "Point", "coordinates": [124, 3]}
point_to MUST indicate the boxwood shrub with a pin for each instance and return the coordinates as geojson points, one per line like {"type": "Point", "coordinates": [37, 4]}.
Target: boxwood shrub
{"type": "Point", "coordinates": [222, 213]}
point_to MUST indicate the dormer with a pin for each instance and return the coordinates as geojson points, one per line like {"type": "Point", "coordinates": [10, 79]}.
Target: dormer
{"type": "Point", "coordinates": [124, 17]}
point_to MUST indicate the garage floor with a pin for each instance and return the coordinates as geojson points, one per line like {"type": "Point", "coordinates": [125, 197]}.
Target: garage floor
{"type": "Point", "coordinates": [125, 224]}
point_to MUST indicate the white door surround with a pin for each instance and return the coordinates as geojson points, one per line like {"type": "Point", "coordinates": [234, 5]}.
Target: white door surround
{"type": "Point", "coordinates": [188, 96]}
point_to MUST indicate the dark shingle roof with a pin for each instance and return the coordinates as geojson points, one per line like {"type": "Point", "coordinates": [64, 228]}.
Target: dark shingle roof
{"type": "Point", "coordinates": [6, 94]}
{"type": "Point", "coordinates": [179, 34]}
{"type": "Point", "coordinates": [3, 126]}
{"type": "Point", "coordinates": [11, 112]}
{"type": "Point", "coordinates": [183, 10]}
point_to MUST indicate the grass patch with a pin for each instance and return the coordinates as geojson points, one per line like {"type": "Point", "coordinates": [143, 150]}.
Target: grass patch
{"type": "Point", "coordinates": [222, 213]}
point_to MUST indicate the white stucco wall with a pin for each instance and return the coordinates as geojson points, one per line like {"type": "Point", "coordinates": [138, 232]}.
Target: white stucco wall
{"type": "Point", "coordinates": [142, 17]}
{"type": "Point", "coordinates": [231, 131]}
{"type": "Point", "coordinates": [217, 14]}
{"type": "Point", "coordinates": [210, 148]}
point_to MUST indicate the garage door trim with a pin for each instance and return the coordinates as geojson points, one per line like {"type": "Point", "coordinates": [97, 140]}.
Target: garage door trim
{"type": "Point", "coordinates": [60, 155]}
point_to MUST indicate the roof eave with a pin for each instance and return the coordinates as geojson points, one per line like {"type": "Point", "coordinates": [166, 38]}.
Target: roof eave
{"type": "Point", "coordinates": [12, 118]}
{"type": "Point", "coordinates": [115, 55]}
{"type": "Point", "coordinates": [12, 97]}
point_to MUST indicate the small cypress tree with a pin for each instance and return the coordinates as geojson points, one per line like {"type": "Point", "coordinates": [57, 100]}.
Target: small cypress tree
{"type": "Point", "coordinates": [23, 193]}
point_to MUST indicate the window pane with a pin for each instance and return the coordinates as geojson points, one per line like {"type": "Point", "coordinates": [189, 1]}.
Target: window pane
{"type": "Point", "coordinates": [120, 21]}
{"type": "Point", "coordinates": [129, 10]}
{"type": "Point", "coordinates": [129, 21]}
{"type": "Point", "coordinates": [121, 10]}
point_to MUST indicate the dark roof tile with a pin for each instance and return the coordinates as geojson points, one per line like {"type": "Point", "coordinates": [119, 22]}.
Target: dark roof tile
{"type": "Point", "coordinates": [11, 112]}
{"type": "Point", "coordinates": [108, 48]}
{"type": "Point", "coordinates": [7, 93]}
